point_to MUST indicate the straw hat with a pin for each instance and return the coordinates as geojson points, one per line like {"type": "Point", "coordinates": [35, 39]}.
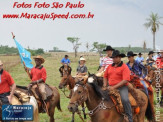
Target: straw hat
{"type": "Point", "coordinates": [40, 57]}
{"type": "Point", "coordinates": [1, 62]}
{"type": "Point", "coordinates": [82, 59]}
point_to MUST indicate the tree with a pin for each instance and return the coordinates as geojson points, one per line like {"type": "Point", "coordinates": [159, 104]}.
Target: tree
{"type": "Point", "coordinates": [75, 43]}
{"type": "Point", "coordinates": [55, 49]}
{"type": "Point", "coordinates": [144, 47]}
{"type": "Point", "coordinates": [87, 46]}
{"type": "Point", "coordinates": [153, 23]}
{"type": "Point", "coordinates": [129, 47]}
{"type": "Point", "coordinates": [98, 47]}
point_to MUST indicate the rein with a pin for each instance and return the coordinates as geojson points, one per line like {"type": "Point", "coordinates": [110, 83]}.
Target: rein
{"type": "Point", "coordinates": [64, 89]}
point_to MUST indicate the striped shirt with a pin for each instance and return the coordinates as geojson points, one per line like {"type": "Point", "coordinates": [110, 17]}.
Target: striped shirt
{"type": "Point", "coordinates": [106, 62]}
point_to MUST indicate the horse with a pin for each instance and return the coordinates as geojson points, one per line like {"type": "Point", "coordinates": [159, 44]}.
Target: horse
{"type": "Point", "coordinates": [53, 101]}
{"type": "Point", "coordinates": [32, 101]}
{"type": "Point", "coordinates": [68, 80]}
{"type": "Point", "coordinates": [152, 72]}
{"type": "Point", "coordinates": [100, 105]}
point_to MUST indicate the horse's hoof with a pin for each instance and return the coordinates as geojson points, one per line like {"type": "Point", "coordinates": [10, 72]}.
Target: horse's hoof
{"type": "Point", "coordinates": [85, 117]}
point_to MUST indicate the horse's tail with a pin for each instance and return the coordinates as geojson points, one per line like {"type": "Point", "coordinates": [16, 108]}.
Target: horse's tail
{"type": "Point", "coordinates": [148, 112]}
{"type": "Point", "coordinates": [59, 106]}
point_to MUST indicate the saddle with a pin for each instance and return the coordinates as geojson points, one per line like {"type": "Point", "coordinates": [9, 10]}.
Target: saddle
{"type": "Point", "coordinates": [116, 98]}
{"type": "Point", "coordinates": [37, 94]}
{"type": "Point", "coordinates": [137, 84]}
{"type": "Point", "coordinates": [20, 97]}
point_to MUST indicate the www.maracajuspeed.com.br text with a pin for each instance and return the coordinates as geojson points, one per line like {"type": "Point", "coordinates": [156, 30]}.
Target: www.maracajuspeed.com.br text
{"type": "Point", "coordinates": [45, 16]}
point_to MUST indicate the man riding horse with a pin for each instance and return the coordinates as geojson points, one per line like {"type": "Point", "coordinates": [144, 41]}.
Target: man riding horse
{"type": "Point", "coordinates": [38, 77]}
{"type": "Point", "coordinates": [117, 76]}
{"type": "Point", "coordinates": [136, 68]}
{"type": "Point", "coordinates": [64, 61]}
{"type": "Point", "coordinates": [7, 84]}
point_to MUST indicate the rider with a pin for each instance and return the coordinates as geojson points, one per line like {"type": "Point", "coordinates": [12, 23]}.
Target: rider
{"type": "Point", "coordinates": [118, 76]}
{"type": "Point", "coordinates": [38, 76]}
{"type": "Point", "coordinates": [106, 60]}
{"type": "Point", "coordinates": [137, 68]}
{"type": "Point", "coordinates": [150, 61]}
{"type": "Point", "coordinates": [7, 86]}
{"type": "Point", "coordinates": [65, 60]}
{"type": "Point", "coordinates": [159, 61]}
{"type": "Point", "coordinates": [82, 69]}
{"type": "Point", "coordinates": [140, 59]}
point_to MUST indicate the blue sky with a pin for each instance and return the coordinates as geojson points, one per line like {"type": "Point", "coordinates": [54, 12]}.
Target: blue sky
{"type": "Point", "coordinates": [116, 22]}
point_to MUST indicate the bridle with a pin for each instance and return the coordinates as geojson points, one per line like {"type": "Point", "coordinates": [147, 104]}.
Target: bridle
{"type": "Point", "coordinates": [100, 106]}
{"type": "Point", "coordinates": [65, 86]}
{"type": "Point", "coordinates": [80, 101]}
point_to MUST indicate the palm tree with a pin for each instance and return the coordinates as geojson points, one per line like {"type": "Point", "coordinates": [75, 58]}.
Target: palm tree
{"type": "Point", "coordinates": [153, 23]}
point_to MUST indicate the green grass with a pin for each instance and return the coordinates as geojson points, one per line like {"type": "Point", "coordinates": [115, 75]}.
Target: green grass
{"type": "Point", "coordinates": [52, 64]}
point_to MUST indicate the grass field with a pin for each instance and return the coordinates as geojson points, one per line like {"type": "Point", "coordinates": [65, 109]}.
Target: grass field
{"type": "Point", "coordinates": [52, 64]}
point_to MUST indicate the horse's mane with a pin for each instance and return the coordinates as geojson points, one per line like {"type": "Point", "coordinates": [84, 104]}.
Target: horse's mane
{"type": "Point", "coordinates": [97, 89]}
{"type": "Point", "coordinates": [100, 93]}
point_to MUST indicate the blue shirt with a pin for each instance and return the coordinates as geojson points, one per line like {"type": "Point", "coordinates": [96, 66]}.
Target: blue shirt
{"type": "Point", "coordinates": [65, 61]}
{"type": "Point", "coordinates": [139, 59]}
{"type": "Point", "coordinates": [138, 69]}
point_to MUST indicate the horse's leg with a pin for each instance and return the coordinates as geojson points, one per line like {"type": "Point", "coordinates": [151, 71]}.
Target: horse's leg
{"type": "Point", "coordinates": [161, 103]}
{"type": "Point", "coordinates": [151, 100]}
{"type": "Point", "coordinates": [51, 113]}
{"type": "Point", "coordinates": [83, 109]}
{"type": "Point", "coordinates": [72, 117]}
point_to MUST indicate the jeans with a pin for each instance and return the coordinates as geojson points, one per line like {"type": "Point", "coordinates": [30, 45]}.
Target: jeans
{"type": "Point", "coordinates": [4, 99]}
{"type": "Point", "coordinates": [125, 101]}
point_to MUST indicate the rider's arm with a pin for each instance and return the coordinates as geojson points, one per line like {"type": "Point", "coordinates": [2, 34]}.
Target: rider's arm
{"type": "Point", "coordinates": [62, 61]}
{"type": "Point", "coordinates": [105, 80]}
{"type": "Point", "coordinates": [102, 69]}
{"type": "Point", "coordinates": [13, 87]}
{"type": "Point", "coordinates": [122, 83]}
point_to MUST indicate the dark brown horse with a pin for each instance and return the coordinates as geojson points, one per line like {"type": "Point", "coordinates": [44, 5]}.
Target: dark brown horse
{"type": "Point", "coordinates": [101, 107]}
{"type": "Point", "coordinates": [153, 74]}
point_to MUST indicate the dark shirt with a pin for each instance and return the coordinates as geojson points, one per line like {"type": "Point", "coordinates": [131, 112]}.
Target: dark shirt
{"type": "Point", "coordinates": [138, 69]}
{"type": "Point", "coordinates": [81, 69]}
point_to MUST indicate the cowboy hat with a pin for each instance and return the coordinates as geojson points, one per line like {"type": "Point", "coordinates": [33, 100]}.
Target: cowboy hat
{"type": "Point", "coordinates": [1, 62]}
{"type": "Point", "coordinates": [140, 54]}
{"type": "Point", "coordinates": [108, 48]}
{"type": "Point", "coordinates": [150, 52]}
{"type": "Point", "coordinates": [82, 59]}
{"type": "Point", "coordinates": [117, 53]}
{"type": "Point", "coordinates": [40, 57]}
{"type": "Point", "coordinates": [130, 53]}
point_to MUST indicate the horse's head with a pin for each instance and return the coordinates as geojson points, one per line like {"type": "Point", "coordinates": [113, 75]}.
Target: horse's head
{"type": "Point", "coordinates": [66, 70]}
{"type": "Point", "coordinates": [64, 81]}
{"type": "Point", "coordinates": [151, 76]}
{"type": "Point", "coordinates": [79, 96]}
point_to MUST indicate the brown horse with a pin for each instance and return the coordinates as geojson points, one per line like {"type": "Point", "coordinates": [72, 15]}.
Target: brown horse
{"type": "Point", "coordinates": [101, 107]}
{"type": "Point", "coordinates": [53, 101]}
{"type": "Point", "coordinates": [153, 74]}
{"type": "Point", "coordinates": [68, 80]}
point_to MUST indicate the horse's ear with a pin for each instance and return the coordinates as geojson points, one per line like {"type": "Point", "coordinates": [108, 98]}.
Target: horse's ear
{"type": "Point", "coordinates": [89, 73]}
{"type": "Point", "coordinates": [85, 80]}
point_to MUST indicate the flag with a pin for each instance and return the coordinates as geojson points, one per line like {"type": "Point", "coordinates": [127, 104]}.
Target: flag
{"type": "Point", "coordinates": [24, 55]}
